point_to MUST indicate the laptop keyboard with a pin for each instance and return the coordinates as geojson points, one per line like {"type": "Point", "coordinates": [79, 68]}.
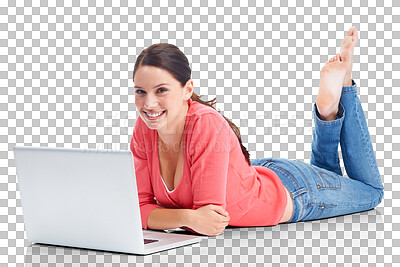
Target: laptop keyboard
{"type": "Point", "coordinates": [148, 241]}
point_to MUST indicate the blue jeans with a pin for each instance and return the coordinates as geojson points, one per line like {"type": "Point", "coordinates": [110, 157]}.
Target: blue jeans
{"type": "Point", "coordinates": [319, 189]}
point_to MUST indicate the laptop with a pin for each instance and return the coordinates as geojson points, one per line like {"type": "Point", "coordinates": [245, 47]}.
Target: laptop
{"type": "Point", "coordinates": [86, 198]}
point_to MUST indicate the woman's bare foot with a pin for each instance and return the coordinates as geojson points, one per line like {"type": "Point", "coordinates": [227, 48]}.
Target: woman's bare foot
{"type": "Point", "coordinates": [330, 87]}
{"type": "Point", "coordinates": [346, 52]}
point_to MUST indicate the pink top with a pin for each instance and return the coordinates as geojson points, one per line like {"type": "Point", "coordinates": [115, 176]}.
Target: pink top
{"type": "Point", "coordinates": [215, 171]}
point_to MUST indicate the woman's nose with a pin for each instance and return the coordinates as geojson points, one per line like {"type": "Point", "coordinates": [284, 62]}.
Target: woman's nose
{"type": "Point", "coordinates": [151, 101]}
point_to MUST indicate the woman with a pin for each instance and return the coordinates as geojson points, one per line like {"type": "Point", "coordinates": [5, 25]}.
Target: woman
{"type": "Point", "coordinates": [193, 172]}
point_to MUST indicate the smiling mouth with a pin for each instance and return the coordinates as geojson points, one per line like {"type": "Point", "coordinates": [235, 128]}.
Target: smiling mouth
{"type": "Point", "coordinates": [154, 115]}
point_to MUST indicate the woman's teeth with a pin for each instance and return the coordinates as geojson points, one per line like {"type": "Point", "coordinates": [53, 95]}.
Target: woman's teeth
{"type": "Point", "coordinates": [153, 115]}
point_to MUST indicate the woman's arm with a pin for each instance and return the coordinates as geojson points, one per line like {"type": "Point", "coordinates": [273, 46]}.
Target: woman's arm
{"type": "Point", "coordinates": [162, 218]}
{"type": "Point", "coordinates": [147, 200]}
{"type": "Point", "coordinates": [209, 220]}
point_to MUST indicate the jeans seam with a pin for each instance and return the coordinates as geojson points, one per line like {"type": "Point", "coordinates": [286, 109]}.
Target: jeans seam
{"type": "Point", "coordinates": [302, 207]}
{"type": "Point", "coordinates": [308, 190]}
{"type": "Point", "coordinates": [323, 205]}
{"type": "Point", "coordinates": [282, 170]}
{"type": "Point", "coordinates": [306, 180]}
{"type": "Point", "coordinates": [322, 210]}
{"type": "Point", "coordinates": [291, 195]}
{"type": "Point", "coordinates": [364, 139]}
{"type": "Point", "coordinates": [320, 176]}
{"type": "Point", "coordinates": [373, 202]}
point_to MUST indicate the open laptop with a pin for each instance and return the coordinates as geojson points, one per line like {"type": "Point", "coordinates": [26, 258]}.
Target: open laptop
{"type": "Point", "coordinates": [86, 198]}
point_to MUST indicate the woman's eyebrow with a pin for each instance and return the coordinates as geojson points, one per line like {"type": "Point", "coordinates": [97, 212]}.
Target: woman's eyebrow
{"type": "Point", "coordinates": [154, 86]}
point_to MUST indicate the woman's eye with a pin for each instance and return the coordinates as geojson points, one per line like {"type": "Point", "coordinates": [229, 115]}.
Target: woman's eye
{"type": "Point", "coordinates": [140, 92]}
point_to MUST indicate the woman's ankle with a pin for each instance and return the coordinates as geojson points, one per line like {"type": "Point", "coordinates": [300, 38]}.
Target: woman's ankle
{"type": "Point", "coordinates": [327, 113]}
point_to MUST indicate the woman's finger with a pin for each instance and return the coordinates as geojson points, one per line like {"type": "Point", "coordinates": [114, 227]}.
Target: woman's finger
{"type": "Point", "coordinates": [219, 210]}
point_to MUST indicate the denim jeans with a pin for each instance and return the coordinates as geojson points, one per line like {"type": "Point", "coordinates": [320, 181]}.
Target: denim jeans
{"type": "Point", "coordinates": [319, 189]}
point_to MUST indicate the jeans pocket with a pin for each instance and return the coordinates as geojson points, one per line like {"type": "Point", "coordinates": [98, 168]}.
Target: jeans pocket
{"type": "Point", "coordinates": [290, 182]}
{"type": "Point", "coordinates": [296, 188]}
{"type": "Point", "coordinates": [325, 179]}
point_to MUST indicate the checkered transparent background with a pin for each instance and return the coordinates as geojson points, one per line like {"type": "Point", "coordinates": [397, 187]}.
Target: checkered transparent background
{"type": "Point", "coordinates": [65, 81]}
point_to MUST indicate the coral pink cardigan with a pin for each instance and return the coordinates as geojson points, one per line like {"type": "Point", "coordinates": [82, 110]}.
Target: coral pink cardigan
{"type": "Point", "coordinates": [215, 171]}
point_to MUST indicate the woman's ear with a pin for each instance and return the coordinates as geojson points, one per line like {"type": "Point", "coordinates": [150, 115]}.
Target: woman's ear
{"type": "Point", "coordinates": [188, 89]}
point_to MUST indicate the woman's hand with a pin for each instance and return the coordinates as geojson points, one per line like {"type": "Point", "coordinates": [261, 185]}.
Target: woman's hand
{"type": "Point", "coordinates": [210, 220]}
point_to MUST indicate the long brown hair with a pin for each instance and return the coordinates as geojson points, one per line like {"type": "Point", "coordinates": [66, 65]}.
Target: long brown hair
{"type": "Point", "coordinates": [169, 57]}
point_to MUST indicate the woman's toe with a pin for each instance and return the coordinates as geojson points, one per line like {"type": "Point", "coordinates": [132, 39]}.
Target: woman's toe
{"type": "Point", "coordinates": [353, 33]}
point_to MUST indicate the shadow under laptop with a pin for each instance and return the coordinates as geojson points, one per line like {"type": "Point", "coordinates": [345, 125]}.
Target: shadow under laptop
{"type": "Point", "coordinates": [36, 250]}
{"type": "Point", "coordinates": [40, 253]}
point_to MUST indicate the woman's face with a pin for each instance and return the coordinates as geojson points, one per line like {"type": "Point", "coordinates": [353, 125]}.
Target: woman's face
{"type": "Point", "coordinates": [159, 98]}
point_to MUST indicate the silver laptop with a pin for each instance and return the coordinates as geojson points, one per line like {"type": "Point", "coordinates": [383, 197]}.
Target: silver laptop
{"type": "Point", "coordinates": [86, 198]}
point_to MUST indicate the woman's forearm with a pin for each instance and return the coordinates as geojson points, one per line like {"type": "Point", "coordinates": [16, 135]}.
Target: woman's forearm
{"type": "Point", "coordinates": [162, 218]}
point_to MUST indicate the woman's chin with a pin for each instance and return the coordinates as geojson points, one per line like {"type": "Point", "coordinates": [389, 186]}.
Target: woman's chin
{"type": "Point", "coordinates": [152, 125]}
